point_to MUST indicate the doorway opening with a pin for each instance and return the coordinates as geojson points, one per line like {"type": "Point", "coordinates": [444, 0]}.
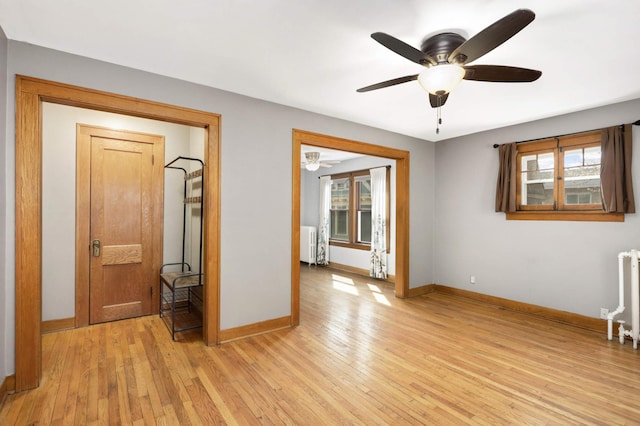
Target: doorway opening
{"type": "Point", "coordinates": [31, 93]}
{"type": "Point", "coordinates": [68, 134]}
{"type": "Point", "coordinates": [401, 158]}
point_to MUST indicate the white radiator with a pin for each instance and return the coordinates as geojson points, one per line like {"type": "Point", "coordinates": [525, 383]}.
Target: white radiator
{"type": "Point", "coordinates": [634, 331]}
{"type": "Point", "coordinates": [308, 244]}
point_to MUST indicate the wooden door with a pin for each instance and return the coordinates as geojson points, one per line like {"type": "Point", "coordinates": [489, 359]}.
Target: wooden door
{"type": "Point", "coordinates": [125, 225]}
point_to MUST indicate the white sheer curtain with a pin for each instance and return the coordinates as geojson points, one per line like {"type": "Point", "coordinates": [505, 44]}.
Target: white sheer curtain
{"type": "Point", "coordinates": [378, 267]}
{"type": "Point", "coordinates": [324, 223]}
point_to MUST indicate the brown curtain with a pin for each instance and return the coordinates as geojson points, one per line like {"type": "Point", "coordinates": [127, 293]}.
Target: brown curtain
{"type": "Point", "coordinates": [615, 171]}
{"type": "Point", "coordinates": [506, 186]}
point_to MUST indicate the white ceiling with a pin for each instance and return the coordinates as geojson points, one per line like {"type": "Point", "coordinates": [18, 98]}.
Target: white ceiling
{"type": "Point", "coordinates": [314, 54]}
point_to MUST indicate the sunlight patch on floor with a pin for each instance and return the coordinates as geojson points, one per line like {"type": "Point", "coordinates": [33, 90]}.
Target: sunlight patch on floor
{"type": "Point", "coordinates": [347, 288]}
{"type": "Point", "coordinates": [342, 279]}
{"type": "Point", "coordinates": [347, 285]}
{"type": "Point", "coordinates": [381, 298]}
{"type": "Point", "coordinates": [374, 287]}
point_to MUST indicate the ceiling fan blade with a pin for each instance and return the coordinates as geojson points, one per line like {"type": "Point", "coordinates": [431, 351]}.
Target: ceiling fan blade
{"type": "Point", "coordinates": [492, 36]}
{"type": "Point", "coordinates": [501, 74]}
{"type": "Point", "coordinates": [403, 49]}
{"type": "Point", "coordinates": [437, 100]}
{"type": "Point", "coordinates": [388, 83]}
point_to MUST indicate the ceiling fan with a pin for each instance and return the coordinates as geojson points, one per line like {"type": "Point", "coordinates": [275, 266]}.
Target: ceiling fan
{"type": "Point", "coordinates": [446, 55]}
{"type": "Point", "coordinates": [312, 161]}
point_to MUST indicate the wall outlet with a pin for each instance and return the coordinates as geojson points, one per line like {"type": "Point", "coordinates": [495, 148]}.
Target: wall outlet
{"type": "Point", "coordinates": [603, 313]}
{"type": "Point", "coordinates": [472, 279]}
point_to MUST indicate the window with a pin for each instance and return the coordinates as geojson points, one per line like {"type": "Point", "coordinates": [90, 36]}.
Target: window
{"type": "Point", "coordinates": [560, 174]}
{"type": "Point", "coordinates": [578, 177]}
{"type": "Point", "coordinates": [350, 211]}
{"type": "Point", "coordinates": [340, 198]}
{"type": "Point", "coordinates": [363, 199]}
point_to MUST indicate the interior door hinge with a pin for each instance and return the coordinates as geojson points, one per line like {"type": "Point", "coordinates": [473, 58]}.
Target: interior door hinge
{"type": "Point", "coordinates": [153, 159]}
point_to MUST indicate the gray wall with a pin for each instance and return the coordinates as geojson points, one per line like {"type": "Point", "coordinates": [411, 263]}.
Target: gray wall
{"type": "Point", "coordinates": [255, 180]}
{"type": "Point", "coordinates": [571, 266]}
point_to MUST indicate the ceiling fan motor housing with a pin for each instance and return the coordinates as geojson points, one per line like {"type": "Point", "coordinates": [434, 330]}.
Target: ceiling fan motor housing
{"type": "Point", "coordinates": [440, 46]}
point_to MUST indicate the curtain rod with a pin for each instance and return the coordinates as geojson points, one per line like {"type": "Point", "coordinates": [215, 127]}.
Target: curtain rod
{"type": "Point", "coordinates": [387, 166]}
{"type": "Point", "coordinates": [496, 145]}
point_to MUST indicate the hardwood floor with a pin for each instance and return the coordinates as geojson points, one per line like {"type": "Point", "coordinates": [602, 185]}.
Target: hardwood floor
{"type": "Point", "coordinates": [359, 356]}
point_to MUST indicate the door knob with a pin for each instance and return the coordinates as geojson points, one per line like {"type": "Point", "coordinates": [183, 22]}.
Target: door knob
{"type": "Point", "coordinates": [96, 248]}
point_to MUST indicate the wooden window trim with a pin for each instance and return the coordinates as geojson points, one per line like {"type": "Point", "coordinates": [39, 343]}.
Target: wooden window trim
{"type": "Point", "coordinates": [541, 145]}
{"type": "Point", "coordinates": [577, 216]}
{"type": "Point", "coordinates": [580, 139]}
{"type": "Point", "coordinates": [559, 211]}
{"type": "Point", "coordinates": [357, 246]}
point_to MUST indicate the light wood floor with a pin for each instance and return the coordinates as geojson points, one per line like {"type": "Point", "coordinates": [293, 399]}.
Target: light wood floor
{"type": "Point", "coordinates": [359, 357]}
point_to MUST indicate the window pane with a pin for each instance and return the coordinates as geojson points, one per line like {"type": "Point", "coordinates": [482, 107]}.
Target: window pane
{"type": "Point", "coordinates": [537, 179]}
{"type": "Point", "coordinates": [582, 178]}
{"type": "Point", "coordinates": [592, 155]}
{"type": "Point", "coordinates": [545, 161]}
{"type": "Point", "coordinates": [573, 158]}
{"type": "Point", "coordinates": [364, 226]}
{"type": "Point", "coordinates": [364, 194]}
{"type": "Point", "coordinates": [340, 194]}
{"type": "Point", "coordinates": [340, 225]}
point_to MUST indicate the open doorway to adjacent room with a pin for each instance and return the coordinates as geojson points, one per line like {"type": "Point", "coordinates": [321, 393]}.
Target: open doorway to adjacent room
{"type": "Point", "coordinates": [31, 94]}
{"type": "Point", "coordinates": [304, 141]}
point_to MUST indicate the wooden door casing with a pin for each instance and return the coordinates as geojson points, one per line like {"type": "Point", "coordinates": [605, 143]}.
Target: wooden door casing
{"type": "Point", "coordinates": [30, 93]}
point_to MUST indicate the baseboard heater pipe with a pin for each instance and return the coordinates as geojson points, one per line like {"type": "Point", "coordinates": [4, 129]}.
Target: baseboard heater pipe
{"type": "Point", "coordinates": [635, 300]}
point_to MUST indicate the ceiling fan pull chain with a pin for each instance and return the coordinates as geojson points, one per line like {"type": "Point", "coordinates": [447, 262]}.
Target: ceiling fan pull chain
{"type": "Point", "coordinates": [438, 118]}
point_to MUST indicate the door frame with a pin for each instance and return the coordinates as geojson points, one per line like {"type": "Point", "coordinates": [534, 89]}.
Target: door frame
{"type": "Point", "coordinates": [301, 137]}
{"type": "Point", "coordinates": [30, 94]}
{"type": "Point", "coordinates": [84, 134]}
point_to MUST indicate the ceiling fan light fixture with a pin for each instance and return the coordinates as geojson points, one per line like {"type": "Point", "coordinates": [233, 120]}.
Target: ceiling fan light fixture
{"type": "Point", "coordinates": [441, 79]}
{"type": "Point", "coordinates": [312, 167]}
{"type": "Point", "coordinates": [313, 161]}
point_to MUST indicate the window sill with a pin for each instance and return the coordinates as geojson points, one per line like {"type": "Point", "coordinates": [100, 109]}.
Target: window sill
{"type": "Point", "coordinates": [361, 246]}
{"type": "Point", "coordinates": [350, 245]}
{"type": "Point", "coordinates": [575, 216]}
